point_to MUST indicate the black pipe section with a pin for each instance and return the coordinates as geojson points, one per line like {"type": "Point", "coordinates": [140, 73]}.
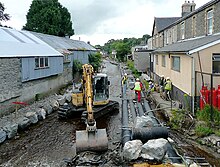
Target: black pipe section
{"type": "Point", "coordinates": [172, 154]}
{"type": "Point", "coordinates": [170, 150]}
{"type": "Point", "coordinates": [126, 132]}
{"type": "Point", "coordinates": [150, 113]}
{"type": "Point", "coordinates": [132, 109]}
{"type": "Point", "coordinates": [145, 134]}
{"type": "Point", "coordinates": [140, 109]}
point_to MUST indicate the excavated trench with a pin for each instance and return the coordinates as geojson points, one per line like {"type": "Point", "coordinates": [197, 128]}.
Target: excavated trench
{"type": "Point", "coordinates": [51, 142]}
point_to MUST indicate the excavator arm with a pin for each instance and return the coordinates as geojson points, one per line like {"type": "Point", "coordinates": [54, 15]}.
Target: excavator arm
{"type": "Point", "coordinates": [91, 139]}
{"type": "Point", "coordinates": [87, 84]}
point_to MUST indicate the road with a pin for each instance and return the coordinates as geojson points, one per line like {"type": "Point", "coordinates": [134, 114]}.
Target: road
{"type": "Point", "coordinates": [51, 140]}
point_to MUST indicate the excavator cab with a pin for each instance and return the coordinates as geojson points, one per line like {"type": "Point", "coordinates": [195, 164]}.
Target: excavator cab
{"type": "Point", "coordinates": [100, 89]}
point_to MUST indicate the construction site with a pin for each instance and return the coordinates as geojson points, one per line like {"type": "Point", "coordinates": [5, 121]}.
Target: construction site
{"type": "Point", "coordinates": [110, 129]}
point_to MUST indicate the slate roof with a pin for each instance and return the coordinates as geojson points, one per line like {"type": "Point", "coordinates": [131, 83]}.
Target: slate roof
{"type": "Point", "coordinates": [14, 43]}
{"type": "Point", "coordinates": [191, 44]}
{"type": "Point", "coordinates": [63, 43]}
{"type": "Point", "coordinates": [162, 22]}
{"type": "Point", "coordinates": [201, 8]}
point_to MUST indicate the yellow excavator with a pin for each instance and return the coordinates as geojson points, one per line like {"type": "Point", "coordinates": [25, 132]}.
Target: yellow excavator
{"type": "Point", "coordinates": [91, 100]}
{"type": "Point", "coordinates": [91, 139]}
{"type": "Point", "coordinates": [98, 85]}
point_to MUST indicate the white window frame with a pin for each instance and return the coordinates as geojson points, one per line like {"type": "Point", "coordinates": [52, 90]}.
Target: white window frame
{"type": "Point", "coordinates": [156, 59]}
{"type": "Point", "coordinates": [209, 20]}
{"type": "Point", "coordinates": [216, 63]}
{"type": "Point", "coordinates": [182, 30]}
{"type": "Point", "coordinates": [163, 61]}
{"type": "Point", "coordinates": [41, 62]}
{"type": "Point", "coordinates": [194, 26]}
{"type": "Point", "coordinates": [176, 63]}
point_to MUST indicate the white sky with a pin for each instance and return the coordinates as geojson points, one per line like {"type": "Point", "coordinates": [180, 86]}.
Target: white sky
{"type": "Point", "coordinates": [98, 21]}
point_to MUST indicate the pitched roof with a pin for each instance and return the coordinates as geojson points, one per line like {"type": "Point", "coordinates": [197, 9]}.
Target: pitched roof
{"type": "Point", "coordinates": [14, 43]}
{"type": "Point", "coordinates": [201, 8]}
{"type": "Point", "coordinates": [192, 45]}
{"type": "Point", "coordinates": [62, 43]}
{"type": "Point", "coordinates": [162, 22]}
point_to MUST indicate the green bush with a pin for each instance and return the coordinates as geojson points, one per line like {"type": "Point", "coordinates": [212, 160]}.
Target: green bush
{"type": "Point", "coordinates": [203, 131]}
{"type": "Point", "coordinates": [95, 60]}
{"type": "Point", "coordinates": [177, 119]}
{"type": "Point", "coordinates": [146, 84]}
{"type": "Point", "coordinates": [205, 115]}
{"type": "Point", "coordinates": [217, 132]}
{"type": "Point", "coordinates": [130, 65]}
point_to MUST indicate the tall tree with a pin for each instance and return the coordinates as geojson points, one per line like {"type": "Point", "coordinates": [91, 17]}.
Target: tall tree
{"type": "Point", "coordinates": [3, 16]}
{"type": "Point", "coordinates": [49, 17]}
{"type": "Point", "coordinates": [122, 49]}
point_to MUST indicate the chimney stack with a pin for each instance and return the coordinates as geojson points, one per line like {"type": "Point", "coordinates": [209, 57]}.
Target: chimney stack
{"type": "Point", "coordinates": [188, 7]}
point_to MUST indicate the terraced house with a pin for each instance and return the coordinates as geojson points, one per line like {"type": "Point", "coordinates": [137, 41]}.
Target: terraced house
{"type": "Point", "coordinates": [187, 49]}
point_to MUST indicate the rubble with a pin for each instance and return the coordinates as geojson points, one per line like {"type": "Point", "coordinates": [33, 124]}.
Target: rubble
{"type": "Point", "coordinates": [3, 136]}
{"type": "Point", "coordinates": [154, 149]}
{"type": "Point", "coordinates": [11, 130]}
{"type": "Point", "coordinates": [132, 149]}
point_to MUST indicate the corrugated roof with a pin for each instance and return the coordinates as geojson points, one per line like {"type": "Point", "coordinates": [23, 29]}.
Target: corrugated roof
{"type": "Point", "coordinates": [191, 44]}
{"type": "Point", "coordinates": [62, 43]}
{"type": "Point", "coordinates": [14, 43]}
{"type": "Point", "coordinates": [162, 22]}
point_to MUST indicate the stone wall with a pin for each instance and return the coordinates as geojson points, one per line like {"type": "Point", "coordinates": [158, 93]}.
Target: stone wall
{"type": "Point", "coordinates": [10, 77]}
{"type": "Point", "coordinates": [12, 89]}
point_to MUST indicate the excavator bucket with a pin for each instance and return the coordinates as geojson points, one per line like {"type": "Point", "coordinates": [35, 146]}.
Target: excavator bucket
{"type": "Point", "coordinates": [91, 141]}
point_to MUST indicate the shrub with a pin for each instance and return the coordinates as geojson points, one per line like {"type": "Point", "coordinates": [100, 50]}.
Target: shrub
{"type": "Point", "coordinates": [130, 65]}
{"type": "Point", "coordinates": [203, 131]}
{"type": "Point", "coordinates": [205, 115]}
{"type": "Point", "coordinates": [177, 119]}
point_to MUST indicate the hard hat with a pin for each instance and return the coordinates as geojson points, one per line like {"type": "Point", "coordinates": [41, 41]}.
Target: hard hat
{"type": "Point", "coordinates": [137, 79]}
{"type": "Point", "coordinates": [126, 74]}
{"type": "Point", "coordinates": [162, 75]}
{"type": "Point", "coordinates": [168, 78]}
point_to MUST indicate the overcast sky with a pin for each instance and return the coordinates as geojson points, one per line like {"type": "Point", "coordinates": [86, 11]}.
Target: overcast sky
{"type": "Point", "coordinates": [98, 21]}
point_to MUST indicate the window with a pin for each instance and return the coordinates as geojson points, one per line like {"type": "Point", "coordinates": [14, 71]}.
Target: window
{"type": "Point", "coordinates": [216, 63]}
{"type": "Point", "coordinates": [163, 61]}
{"type": "Point", "coordinates": [182, 30]}
{"type": "Point", "coordinates": [156, 57]}
{"type": "Point", "coordinates": [41, 62]}
{"type": "Point", "coordinates": [209, 22]}
{"type": "Point", "coordinates": [176, 63]}
{"type": "Point", "coordinates": [194, 26]}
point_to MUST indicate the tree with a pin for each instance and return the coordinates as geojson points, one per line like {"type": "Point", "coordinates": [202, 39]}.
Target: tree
{"type": "Point", "coordinates": [49, 17]}
{"type": "Point", "coordinates": [95, 60]}
{"type": "Point", "coordinates": [122, 49]}
{"type": "Point", "coordinates": [3, 16]}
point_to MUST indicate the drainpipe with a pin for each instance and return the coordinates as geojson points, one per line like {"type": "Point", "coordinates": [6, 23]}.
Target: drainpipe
{"type": "Point", "coordinates": [192, 83]}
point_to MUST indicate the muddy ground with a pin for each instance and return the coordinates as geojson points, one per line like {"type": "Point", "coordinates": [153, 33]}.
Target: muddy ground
{"type": "Point", "coordinates": [52, 142]}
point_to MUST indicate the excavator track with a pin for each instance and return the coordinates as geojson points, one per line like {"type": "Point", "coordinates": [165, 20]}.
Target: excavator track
{"type": "Point", "coordinates": [99, 111]}
{"type": "Point", "coordinates": [70, 111]}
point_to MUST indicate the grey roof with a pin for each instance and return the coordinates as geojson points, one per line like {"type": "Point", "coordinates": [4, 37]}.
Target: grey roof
{"type": "Point", "coordinates": [63, 43]}
{"type": "Point", "coordinates": [162, 22]}
{"type": "Point", "coordinates": [206, 5]}
{"type": "Point", "coordinates": [191, 44]}
{"type": "Point", "coordinates": [14, 43]}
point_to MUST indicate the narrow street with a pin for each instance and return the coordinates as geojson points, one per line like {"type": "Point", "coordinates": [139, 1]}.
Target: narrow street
{"type": "Point", "coordinates": [51, 142]}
